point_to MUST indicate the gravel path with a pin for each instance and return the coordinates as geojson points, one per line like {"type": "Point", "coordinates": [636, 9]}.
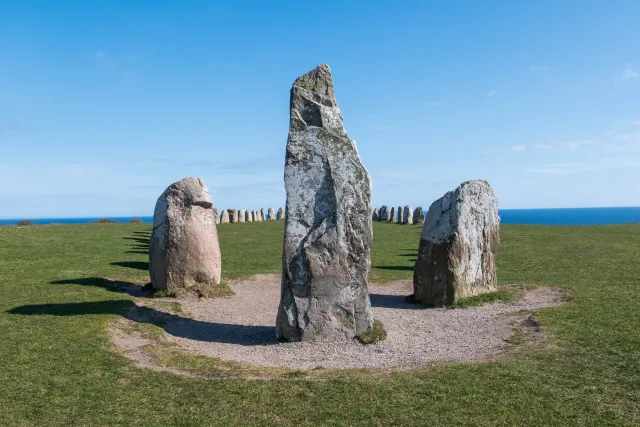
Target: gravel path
{"type": "Point", "coordinates": [241, 329]}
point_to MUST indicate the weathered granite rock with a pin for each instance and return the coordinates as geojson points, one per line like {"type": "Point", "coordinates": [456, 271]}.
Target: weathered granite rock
{"type": "Point", "coordinates": [376, 215]}
{"type": "Point", "coordinates": [459, 239]}
{"type": "Point", "coordinates": [407, 215]}
{"type": "Point", "coordinates": [280, 214]}
{"type": "Point", "coordinates": [216, 215]}
{"type": "Point", "coordinates": [385, 213]}
{"type": "Point", "coordinates": [184, 249]}
{"type": "Point", "coordinates": [233, 215]}
{"type": "Point", "coordinates": [263, 217]}
{"type": "Point", "coordinates": [224, 218]}
{"type": "Point", "coordinates": [392, 215]}
{"type": "Point", "coordinates": [400, 215]}
{"type": "Point", "coordinates": [242, 216]}
{"type": "Point", "coordinates": [271, 214]}
{"type": "Point", "coordinates": [328, 229]}
{"type": "Point", "coordinates": [418, 215]}
{"type": "Point", "coordinates": [256, 216]}
{"type": "Point", "coordinates": [248, 217]}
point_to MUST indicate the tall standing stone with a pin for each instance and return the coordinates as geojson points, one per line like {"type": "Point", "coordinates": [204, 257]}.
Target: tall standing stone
{"type": "Point", "coordinates": [257, 216]}
{"type": "Point", "coordinates": [248, 216]}
{"type": "Point", "coordinates": [328, 234]}
{"type": "Point", "coordinates": [272, 215]}
{"type": "Point", "coordinates": [224, 218]}
{"type": "Point", "coordinates": [241, 216]}
{"type": "Point", "coordinates": [459, 239]}
{"type": "Point", "coordinates": [407, 215]}
{"type": "Point", "coordinates": [418, 215]}
{"type": "Point", "coordinates": [400, 215]}
{"type": "Point", "coordinates": [280, 214]}
{"type": "Point", "coordinates": [184, 249]}
{"type": "Point", "coordinates": [216, 215]}
{"type": "Point", "coordinates": [376, 215]}
{"type": "Point", "coordinates": [392, 215]}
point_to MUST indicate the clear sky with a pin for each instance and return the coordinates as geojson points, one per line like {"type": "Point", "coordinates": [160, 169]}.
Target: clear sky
{"type": "Point", "coordinates": [103, 104]}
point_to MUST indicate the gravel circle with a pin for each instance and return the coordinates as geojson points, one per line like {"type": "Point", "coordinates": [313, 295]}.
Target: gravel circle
{"type": "Point", "coordinates": [241, 329]}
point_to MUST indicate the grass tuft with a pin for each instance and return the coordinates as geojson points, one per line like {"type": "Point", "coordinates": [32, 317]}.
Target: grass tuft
{"type": "Point", "coordinates": [482, 299]}
{"type": "Point", "coordinates": [201, 290]}
{"type": "Point", "coordinates": [375, 334]}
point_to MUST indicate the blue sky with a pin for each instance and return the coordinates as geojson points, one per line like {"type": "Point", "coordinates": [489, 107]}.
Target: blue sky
{"type": "Point", "coordinates": [103, 104]}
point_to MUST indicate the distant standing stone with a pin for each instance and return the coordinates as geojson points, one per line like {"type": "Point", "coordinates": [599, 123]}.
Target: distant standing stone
{"type": "Point", "coordinates": [458, 244]}
{"type": "Point", "coordinates": [184, 249]}
{"type": "Point", "coordinates": [407, 215]}
{"type": "Point", "coordinates": [280, 214]}
{"type": "Point", "coordinates": [248, 217]}
{"type": "Point", "coordinates": [263, 217]}
{"type": "Point", "coordinates": [418, 215]}
{"type": "Point", "coordinates": [392, 215]}
{"type": "Point", "coordinates": [272, 215]}
{"type": "Point", "coordinates": [327, 239]}
{"type": "Point", "coordinates": [376, 215]}
{"type": "Point", "coordinates": [216, 215]}
{"type": "Point", "coordinates": [400, 215]}
{"type": "Point", "coordinates": [224, 218]}
{"type": "Point", "coordinates": [385, 214]}
{"type": "Point", "coordinates": [233, 215]}
{"type": "Point", "coordinates": [242, 216]}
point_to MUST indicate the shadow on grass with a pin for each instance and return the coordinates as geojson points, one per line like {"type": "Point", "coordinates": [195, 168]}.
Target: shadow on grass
{"type": "Point", "coordinates": [138, 265]}
{"type": "Point", "coordinates": [394, 267]}
{"type": "Point", "coordinates": [141, 245]}
{"type": "Point", "coordinates": [110, 285]}
{"type": "Point", "coordinates": [177, 326]}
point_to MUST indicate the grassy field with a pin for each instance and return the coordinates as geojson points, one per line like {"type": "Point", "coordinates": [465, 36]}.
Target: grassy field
{"type": "Point", "coordinates": [58, 368]}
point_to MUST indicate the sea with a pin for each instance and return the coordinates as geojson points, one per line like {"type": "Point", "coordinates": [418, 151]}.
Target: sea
{"type": "Point", "coordinates": [565, 216]}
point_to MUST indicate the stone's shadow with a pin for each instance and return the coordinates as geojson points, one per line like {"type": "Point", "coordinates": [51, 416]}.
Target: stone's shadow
{"type": "Point", "coordinates": [177, 326]}
{"type": "Point", "coordinates": [75, 309]}
{"type": "Point", "coordinates": [138, 265]}
{"type": "Point", "coordinates": [392, 301]}
{"type": "Point", "coordinates": [139, 240]}
{"type": "Point", "coordinates": [141, 245]}
{"type": "Point", "coordinates": [394, 267]}
{"type": "Point", "coordinates": [110, 285]}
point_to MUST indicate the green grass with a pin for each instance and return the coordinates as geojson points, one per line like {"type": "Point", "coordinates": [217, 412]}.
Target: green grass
{"type": "Point", "coordinates": [57, 367]}
{"type": "Point", "coordinates": [504, 295]}
{"type": "Point", "coordinates": [374, 334]}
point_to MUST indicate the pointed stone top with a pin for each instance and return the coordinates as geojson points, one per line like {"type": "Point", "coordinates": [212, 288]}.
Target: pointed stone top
{"type": "Point", "coordinates": [318, 80]}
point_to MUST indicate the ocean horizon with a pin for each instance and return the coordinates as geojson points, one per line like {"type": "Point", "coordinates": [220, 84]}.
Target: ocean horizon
{"type": "Point", "coordinates": [552, 216]}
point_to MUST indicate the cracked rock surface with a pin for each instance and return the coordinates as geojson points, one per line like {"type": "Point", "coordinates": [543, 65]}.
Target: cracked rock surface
{"type": "Point", "coordinates": [457, 247]}
{"type": "Point", "coordinates": [328, 228]}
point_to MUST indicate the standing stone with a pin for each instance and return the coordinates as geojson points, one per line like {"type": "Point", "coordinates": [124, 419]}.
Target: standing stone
{"type": "Point", "coordinates": [327, 239]}
{"type": "Point", "coordinates": [216, 215]}
{"type": "Point", "coordinates": [376, 215]}
{"type": "Point", "coordinates": [256, 216]}
{"type": "Point", "coordinates": [233, 215]}
{"type": "Point", "coordinates": [400, 215]}
{"type": "Point", "coordinates": [184, 249]}
{"type": "Point", "coordinates": [242, 216]}
{"type": "Point", "coordinates": [280, 214]}
{"type": "Point", "coordinates": [407, 215]}
{"type": "Point", "coordinates": [418, 215]}
{"type": "Point", "coordinates": [385, 214]}
{"type": "Point", "coordinates": [392, 215]}
{"type": "Point", "coordinates": [272, 215]}
{"type": "Point", "coordinates": [457, 247]}
{"type": "Point", "coordinates": [224, 218]}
